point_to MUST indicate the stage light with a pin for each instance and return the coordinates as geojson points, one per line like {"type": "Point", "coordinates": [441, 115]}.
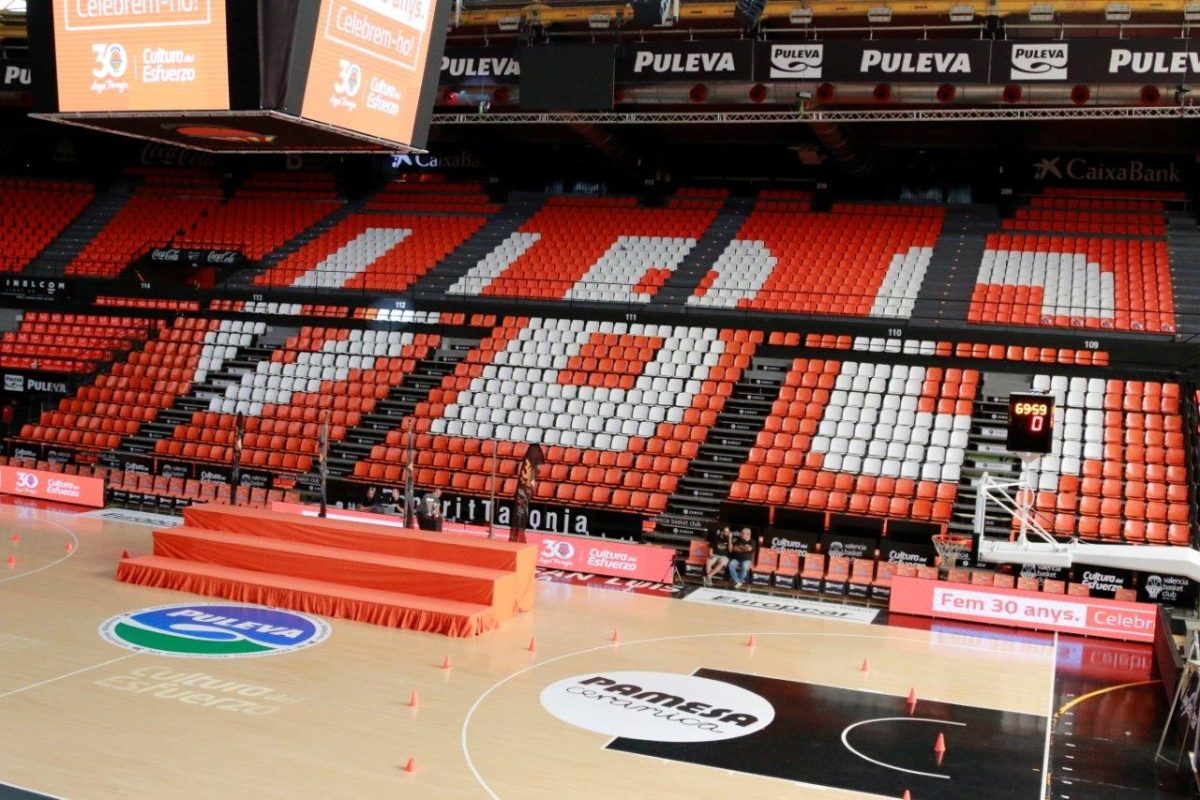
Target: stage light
{"type": "Point", "coordinates": [800, 16]}
{"type": "Point", "coordinates": [1041, 12]}
{"type": "Point", "coordinates": [962, 13]}
{"type": "Point", "coordinates": [1117, 12]}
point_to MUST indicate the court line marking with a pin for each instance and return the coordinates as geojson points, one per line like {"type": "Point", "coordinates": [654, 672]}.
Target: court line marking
{"type": "Point", "coordinates": [849, 728]}
{"type": "Point", "coordinates": [1071, 704]}
{"type": "Point", "coordinates": [38, 792]}
{"type": "Point", "coordinates": [1049, 722]}
{"type": "Point", "coordinates": [56, 562]}
{"type": "Point", "coordinates": [466, 749]}
{"type": "Point", "coordinates": [80, 671]}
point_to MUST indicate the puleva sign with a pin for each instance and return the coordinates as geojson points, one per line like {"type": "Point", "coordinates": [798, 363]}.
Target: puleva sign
{"type": "Point", "coordinates": [210, 630]}
{"type": "Point", "coordinates": [657, 706]}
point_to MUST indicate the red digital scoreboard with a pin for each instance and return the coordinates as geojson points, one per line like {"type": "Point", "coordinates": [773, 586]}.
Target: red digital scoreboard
{"type": "Point", "coordinates": [1030, 423]}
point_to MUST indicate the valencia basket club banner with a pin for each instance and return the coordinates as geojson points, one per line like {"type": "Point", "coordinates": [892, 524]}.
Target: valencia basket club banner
{"type": "Point", "coordinates": [604, 557]}
{"type": "Point", "coordinates": [526, 486]}
{"type": "Point", "coordinates": [43, 485]}
{"type": "Point", "coordinates": [1086, 616]}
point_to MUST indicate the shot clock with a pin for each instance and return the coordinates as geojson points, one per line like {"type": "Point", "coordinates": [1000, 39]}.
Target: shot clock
{"type": "Point", "coordinates": [1030, 423]}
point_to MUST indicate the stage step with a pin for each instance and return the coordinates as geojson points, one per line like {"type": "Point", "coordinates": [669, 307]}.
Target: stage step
{"type": "Point", "coordinates": [434, 579]}
{"type": "Point", "coordinates": [393, 609]}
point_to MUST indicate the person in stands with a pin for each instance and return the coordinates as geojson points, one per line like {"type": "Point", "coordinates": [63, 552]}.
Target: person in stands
{"type": "Point", "coordinates": [719, 543]}
{"type": "Point", "coordinates": [740, 557]}
{"type": "Point", "coordinates": [429, 515]}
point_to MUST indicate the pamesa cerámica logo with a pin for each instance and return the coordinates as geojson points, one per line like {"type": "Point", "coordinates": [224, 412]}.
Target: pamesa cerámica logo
{"type": "Point", "coordinates": [212, 630]}
{"type": "Point", "coordinates": [657, 706]}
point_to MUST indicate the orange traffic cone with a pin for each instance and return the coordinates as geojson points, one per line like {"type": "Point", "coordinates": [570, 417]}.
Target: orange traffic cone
{"type": "Point", "coordinates": [616, 637]}
{"type": "Point", "coordinates": [532, 645]}
{"type": "Point", "coordinates": [912, 700]}
{"type": "Point", "coordinates": [413, 700]}
{"type": "Point", "coordinates": [124, 554]}
{"type": "Point", "coordinates": [446, 662]}
{"type": "Point", "coordinates": [939, 748]}
{"type": "Point", "coordinates": [70, 547]}
{"type": "Point", "coordinates": [907, 795]}
{"type": "Point", "coordinates": [411, 766]}
{"type": "Point", "coordinates": [16, 538]}
{"type": "Point", "coordinates": [866, 667]}
{"type": "Point", "coordinates": [12, 561]}
{"type": "Point", "coordinates": [750, 641]}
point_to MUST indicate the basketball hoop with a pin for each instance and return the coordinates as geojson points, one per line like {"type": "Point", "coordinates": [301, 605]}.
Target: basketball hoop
{"type": "Point", "coordinates": [951, 550]}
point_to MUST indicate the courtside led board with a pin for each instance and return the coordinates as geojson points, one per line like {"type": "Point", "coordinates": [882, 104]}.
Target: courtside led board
{"type": "Point", "coordinates": [368, 66]}
{"type": "Point", "coordinates": [1030, 423]}
{"type": "Point", "coordinates": [141, 55]}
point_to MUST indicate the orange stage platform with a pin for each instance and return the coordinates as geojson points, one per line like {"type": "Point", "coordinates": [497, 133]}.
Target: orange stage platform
{"type": "Point", "coordinates": [437, 582]}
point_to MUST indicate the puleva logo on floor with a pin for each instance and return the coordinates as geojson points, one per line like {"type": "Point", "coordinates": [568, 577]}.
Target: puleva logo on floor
{"type": "Point", "coordinates": [657, 706]}
{"type": "Point", "coordinates": [210, 630]}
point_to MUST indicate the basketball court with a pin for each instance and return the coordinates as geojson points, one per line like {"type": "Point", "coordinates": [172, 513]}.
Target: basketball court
{"type": "Point", "coordinates": [800, 716]}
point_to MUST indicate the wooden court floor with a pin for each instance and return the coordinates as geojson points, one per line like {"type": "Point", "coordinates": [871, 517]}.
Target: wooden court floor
{"type": "Point", "coordinates": [83, 718]}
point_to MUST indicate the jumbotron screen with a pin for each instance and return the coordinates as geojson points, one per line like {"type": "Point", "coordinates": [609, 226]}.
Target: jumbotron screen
{"type": "Point", "coordinates": [141, 55]}
{"type": "Point", "coordinates": [368, 65]}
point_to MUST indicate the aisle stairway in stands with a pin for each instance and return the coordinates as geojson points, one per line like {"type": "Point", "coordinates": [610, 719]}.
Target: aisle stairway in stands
{"type": "Point", "coordinates": [519, 207]}
{"type": "Point", "coordinates": [696, 503]}
{"type": "Point", "coordinates": [1183, 244]}
{"type": "Point", "coordinates": [708, 249]}
{"type": "Point", "coordinates": [321, 227]}
{"type": "Point", "coordinates": [391, 412]}
{"type": "Point", "coordinates": [76, 236]}
{"type": "Point", "coordinates": [986, 452]}
{"type": "Point", "coordinates": [954, 268]}
{"type": "Point", "coordinates": [245, 360]}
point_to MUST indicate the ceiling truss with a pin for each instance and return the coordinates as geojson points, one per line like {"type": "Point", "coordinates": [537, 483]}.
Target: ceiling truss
{"type": "Point", "coordinates": [1012, 113]}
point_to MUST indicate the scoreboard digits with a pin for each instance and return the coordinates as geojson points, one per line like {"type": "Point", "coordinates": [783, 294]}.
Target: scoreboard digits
{"type": "Point", "coordinates": [1030, 423]}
